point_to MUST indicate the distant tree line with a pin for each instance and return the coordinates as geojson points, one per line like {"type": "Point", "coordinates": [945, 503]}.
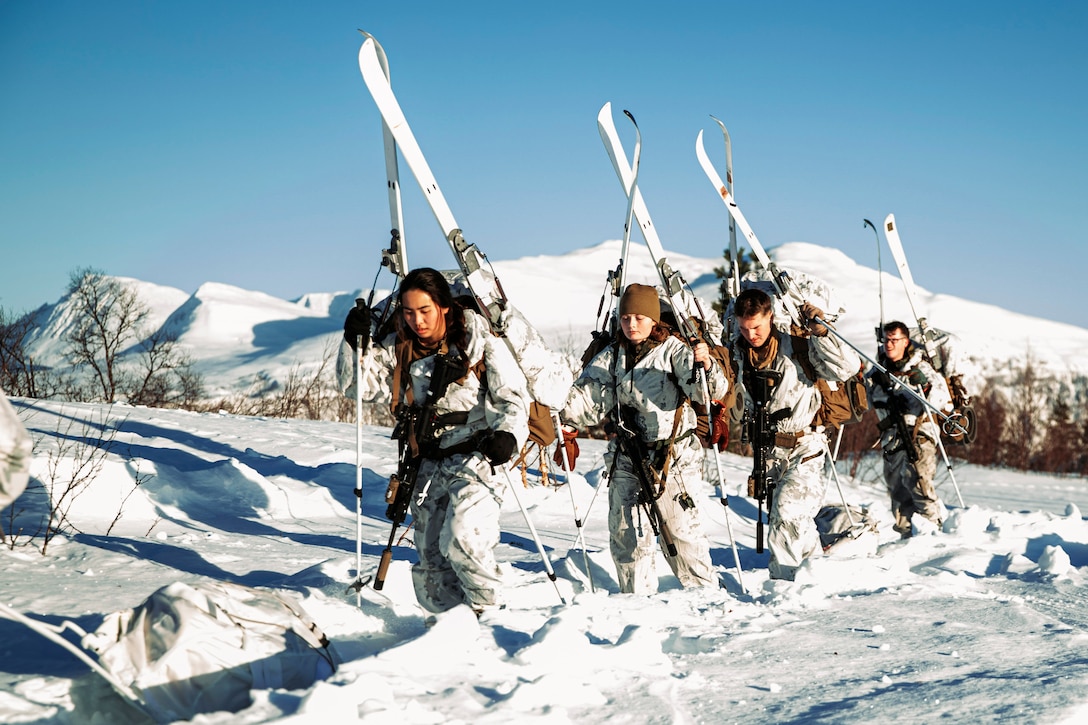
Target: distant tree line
{"type": "Point", "coordinates": [1027, 426]}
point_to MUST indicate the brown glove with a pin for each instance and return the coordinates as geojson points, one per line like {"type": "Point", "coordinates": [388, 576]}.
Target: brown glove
{"type": "Point", "coordinates": [568, 443]}
{"type": "Point", "coordinates": [809, 312]}
{"type": "Point", "coordinates": [719, 425]}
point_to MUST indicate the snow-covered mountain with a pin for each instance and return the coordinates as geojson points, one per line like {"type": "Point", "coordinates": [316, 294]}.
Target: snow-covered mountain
{"type": "Point", "coordinates": [236, 335]}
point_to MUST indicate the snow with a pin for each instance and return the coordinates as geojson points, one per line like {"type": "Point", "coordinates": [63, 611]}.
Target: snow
{"type": "Point", "coordinates": [985, 621]}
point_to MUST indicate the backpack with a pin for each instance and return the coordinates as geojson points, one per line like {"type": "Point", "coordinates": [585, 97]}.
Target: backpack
{"type": "Point", "coordinates": [844, 402]}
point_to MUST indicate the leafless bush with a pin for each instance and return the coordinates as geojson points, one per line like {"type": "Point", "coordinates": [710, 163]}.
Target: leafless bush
{"type": "Point", "coordinates": [1060, 449]}
{"type": "Point", "coordinates": [162, 375]}
{"type": "Point", "coordinates": [20, 373]}
{"type": "Point", "coordinates": [1024, 423]}
{"type": "Point", "coordinates": [45, 508]}
{"type": "Point", "coordinates": [306, 393]}
{"type": "Point", "coordinates": [991, 410]}
{"type": "Point", "coordinates": [109, 318]}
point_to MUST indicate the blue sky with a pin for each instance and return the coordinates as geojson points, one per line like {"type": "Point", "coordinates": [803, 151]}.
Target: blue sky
{"type": "Point", "coordinates": [181, 143]}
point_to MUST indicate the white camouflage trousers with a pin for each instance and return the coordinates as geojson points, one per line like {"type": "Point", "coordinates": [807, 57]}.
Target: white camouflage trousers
{"type": "Point", "coordinates": [631, 539]}
{"type": "Point", "coordinates": [792, 535]}
{"type": "Point", "coordinates": [910, 484]}
{"type": "Point", "coordinates": [456, 532]}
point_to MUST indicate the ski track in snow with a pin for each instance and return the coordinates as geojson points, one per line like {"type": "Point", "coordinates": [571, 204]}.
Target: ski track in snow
{"type": "Point", "coordinates": [985, 622]}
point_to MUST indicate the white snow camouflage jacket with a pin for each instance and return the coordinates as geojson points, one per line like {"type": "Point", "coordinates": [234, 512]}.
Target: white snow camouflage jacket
{"type": "Point", "coordinates": [830, 358]}
{"type": "Point", "coordinates": [655, 387]}
{"type": "Point", "coordinates": [938, 395]}
{"type": "Point", "coordinates": [502, 403]}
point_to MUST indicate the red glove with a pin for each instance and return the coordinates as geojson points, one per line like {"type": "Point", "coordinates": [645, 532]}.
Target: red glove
{"type": "Point", "coordinates": [719, 425]}
{"type": "Point", "coordinates": [569, 443]}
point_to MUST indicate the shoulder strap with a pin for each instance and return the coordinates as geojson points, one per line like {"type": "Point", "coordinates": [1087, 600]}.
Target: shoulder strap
{"type": "Point", "coordinates": [799, 353]}
{"type": "Point", "coordinates": [402, 353]}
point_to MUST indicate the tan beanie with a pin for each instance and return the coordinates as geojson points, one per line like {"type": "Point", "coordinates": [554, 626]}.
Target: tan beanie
{"type": "Point", "coordinates": [641, 299]}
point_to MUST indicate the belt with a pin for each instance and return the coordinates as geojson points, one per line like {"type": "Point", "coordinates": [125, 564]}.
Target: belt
{"type": "Point", "coordinates": [790, 440]}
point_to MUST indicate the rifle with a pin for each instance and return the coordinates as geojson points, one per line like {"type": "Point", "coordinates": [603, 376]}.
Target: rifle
{"type": "Point", "coordinates": [415, 429]}
{"type": "Point", "coordinates": [760, 432]}
{"type": "Point", "coordinates": [647, 497]}
{"type": "Point", "coordinates": [896, 410]}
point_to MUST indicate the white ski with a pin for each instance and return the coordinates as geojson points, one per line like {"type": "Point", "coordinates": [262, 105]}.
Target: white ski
{"type": "Point", "coordinates": [676, 288]}
{"type": "Point", "coordinates": [784, 286]}
{"type": "Point", "coordinates": [469, 258]}
{"type": "Point", "coordinates": [891, 233]}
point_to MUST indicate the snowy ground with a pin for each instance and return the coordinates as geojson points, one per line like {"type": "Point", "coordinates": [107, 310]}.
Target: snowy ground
{"type": "Point", "coordinates": [985, 622]}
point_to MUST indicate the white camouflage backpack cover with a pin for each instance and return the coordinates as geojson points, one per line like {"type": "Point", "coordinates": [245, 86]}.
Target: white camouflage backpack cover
{"type": "Point", "coordinates": [15, 452]}
{"type": "Point", "coordinates": [195, 648]}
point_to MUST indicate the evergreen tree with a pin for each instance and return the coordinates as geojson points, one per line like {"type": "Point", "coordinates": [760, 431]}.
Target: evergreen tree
{"type": "Point", "coordinates": [744, 263]}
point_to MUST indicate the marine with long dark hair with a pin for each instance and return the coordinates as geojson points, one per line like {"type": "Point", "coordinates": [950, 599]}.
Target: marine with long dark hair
{"type": "Point", "coordinates": [481, 420]}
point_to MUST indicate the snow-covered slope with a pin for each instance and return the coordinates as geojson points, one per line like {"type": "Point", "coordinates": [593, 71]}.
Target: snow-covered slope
{"type": "Point", "coordinates": [983, 623]}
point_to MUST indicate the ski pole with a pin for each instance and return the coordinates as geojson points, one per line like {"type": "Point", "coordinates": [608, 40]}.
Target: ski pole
{"type": "Point", "coordinates": [838, 485]}
{"type": "Point", "coordinates": [561, 451]}
{"type": "Point", "coordinates": [358, 584]}
{"type": "Point", "coordinates": [512, 485]}
{"type": "Point", "coordinates": [948, 466]}
{"type": "Point", "coordinates": [722, 497]}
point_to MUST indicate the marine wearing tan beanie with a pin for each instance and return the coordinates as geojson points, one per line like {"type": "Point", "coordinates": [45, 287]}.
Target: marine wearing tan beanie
{"type": "Point", "coordinates": [641, 299]}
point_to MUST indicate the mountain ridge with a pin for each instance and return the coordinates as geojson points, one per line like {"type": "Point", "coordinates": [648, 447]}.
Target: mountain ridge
{"type": "Point", "coordinates": [236, 335]}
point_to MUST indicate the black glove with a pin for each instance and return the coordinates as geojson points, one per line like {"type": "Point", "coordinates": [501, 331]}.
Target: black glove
{"type": "Point", "coordinates": [810, 312]}
{"type": "Point", "coordinates": [499, 448]}
{"type": "Point", "coordinates": [357, 323]}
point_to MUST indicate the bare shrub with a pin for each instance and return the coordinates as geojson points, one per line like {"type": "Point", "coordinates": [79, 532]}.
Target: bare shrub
{"type": "Point", "coordinates": [109, 318]}
{"type": "Point", "coordinates": [20, 374]}
{"type": "Point", "coordinates": [991, 411]}
{"type": "Point", "coordinates": [162, 375]}
{"type": "Point", "coordinates": [44, 511]}
{"type": "Point", "coordinates": [1024, 422]}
